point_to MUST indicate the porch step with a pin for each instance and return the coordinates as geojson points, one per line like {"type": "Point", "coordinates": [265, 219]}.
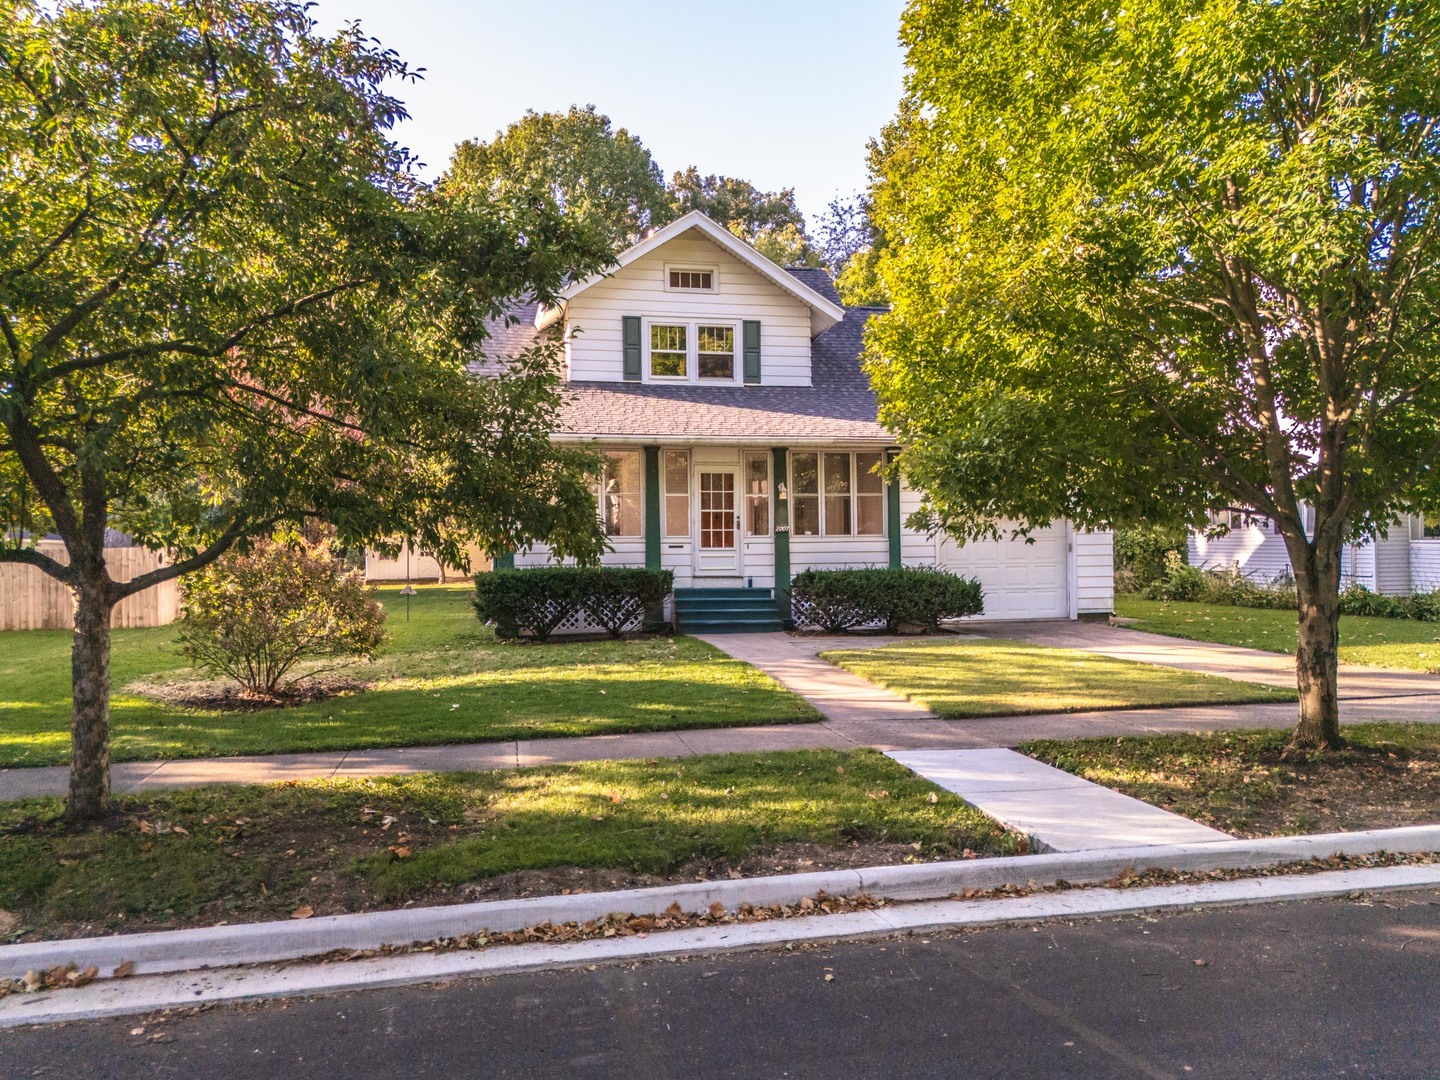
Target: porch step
{"type": "Point", "coordinates": [726, 611]}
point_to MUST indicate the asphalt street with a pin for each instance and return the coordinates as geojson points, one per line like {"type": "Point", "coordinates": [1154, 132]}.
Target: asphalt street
{"type": "Point", "coordinates": [1315, 989]}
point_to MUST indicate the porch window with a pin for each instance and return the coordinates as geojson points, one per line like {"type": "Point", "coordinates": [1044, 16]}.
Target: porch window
{"type": "Point", "coordinates": [677, 493]}
{"type": "Point", "coordinates": [869, 496]}
{"type": "Point", "coordinates": [716, 345]}
{"type": "Point", "coordinates": [668, 352]}
{"type": "Point", "coordinates": [757, 494]}
{"type": "Point", "coordinates": [804, 495]}
{"type": "Point", "coordinates": [619, 493]}
{"type": "Point", "coordinates": [837, 494]}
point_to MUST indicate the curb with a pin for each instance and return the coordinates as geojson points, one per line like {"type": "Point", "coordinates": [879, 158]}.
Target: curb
{"type": "Point", "coordinates": [172, 951]}
{"type": "Point", "coordinates": [145, 994]}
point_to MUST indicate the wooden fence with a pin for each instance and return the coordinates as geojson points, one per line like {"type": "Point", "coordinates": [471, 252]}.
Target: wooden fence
{"type": "Point", "coordinates": [31, 599]}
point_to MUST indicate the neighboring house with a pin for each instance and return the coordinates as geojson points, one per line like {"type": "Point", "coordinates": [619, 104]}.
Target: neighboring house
{"type": "Point", "coordinates": [742, 438]}
{"type": "Point", "coordinates": [1405, 561]}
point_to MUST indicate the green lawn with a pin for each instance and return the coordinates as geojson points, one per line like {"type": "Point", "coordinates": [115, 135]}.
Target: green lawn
{"type": "Point", "coordinates": [441, 679]}
{"type": "Point", "coordinates": [264, 851]}
{"type": "Point", "coordinates": [1010, 678]}
{"type": "Point", "coordinates": [1392, 643]}
{"type": "Point", "coordinates": [1239, 781]}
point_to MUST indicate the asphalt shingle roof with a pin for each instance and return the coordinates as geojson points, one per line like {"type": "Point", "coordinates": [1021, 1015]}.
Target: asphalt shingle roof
{"type": "Point", "coordinates": [838, 405]}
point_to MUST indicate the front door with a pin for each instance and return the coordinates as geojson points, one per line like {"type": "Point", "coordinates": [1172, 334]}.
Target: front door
{"type": "Point", "coordinates": [718, 526]}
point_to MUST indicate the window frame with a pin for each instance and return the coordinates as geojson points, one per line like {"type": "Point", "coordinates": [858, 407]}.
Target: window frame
{"type": "Point", "coordinates": [692, 350]}
{"type": "Point", "coordinates": [666, 495]}
{"type": "Point", "coordinates": [852, 495]}
{"type": "Point", "coordinates": [690, 268]}
{"type": "Point", "coordinates": [600, 491]}
{"type": "Point", "coordinates": [766, 498]}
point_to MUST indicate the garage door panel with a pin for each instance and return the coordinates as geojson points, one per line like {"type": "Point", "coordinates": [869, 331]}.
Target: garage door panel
{"type": "Point", "coordinates": [1021, 581]}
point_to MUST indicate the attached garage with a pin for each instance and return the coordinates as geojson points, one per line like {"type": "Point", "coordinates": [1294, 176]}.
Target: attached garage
{"type": "Point", "coordinates": [1021, 581]}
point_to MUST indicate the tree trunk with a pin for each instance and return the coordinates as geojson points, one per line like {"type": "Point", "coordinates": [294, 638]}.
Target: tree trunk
{"type": "Point", "coordinates": [1317, 655]}
{"type": "Point", "coordinates": [90, 718]}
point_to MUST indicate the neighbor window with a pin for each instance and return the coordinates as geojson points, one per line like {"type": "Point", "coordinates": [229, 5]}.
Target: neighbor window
{"type": "Point", "coordinates": [757, 494]}
{"type": "Point", "coordinates": [805, 495]}
{"type": "Point", "coordinates": [669, 356]}
{"type": "Point", "coordinates": [703, 280]}
{"type": "Point", "coordinates": [716, 346]}
{"type": "Point", "coordinates": [677, 493]}
{"type": "Point", "coordinates": [619, 493]}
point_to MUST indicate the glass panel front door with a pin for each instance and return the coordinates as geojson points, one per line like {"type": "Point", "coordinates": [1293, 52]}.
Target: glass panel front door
{"type": "Point", "coordinates": [718, 521]}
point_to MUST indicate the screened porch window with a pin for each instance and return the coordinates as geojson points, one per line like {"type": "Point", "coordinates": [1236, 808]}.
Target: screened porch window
{"type": "Point", "coordinates": [757, 494]}
{"type": "Point", "coordinates": [677, 493]}
{"type": "Point", "coordinates": [619, 493]}
{"type": "Point", "coordinates": [805, 495]}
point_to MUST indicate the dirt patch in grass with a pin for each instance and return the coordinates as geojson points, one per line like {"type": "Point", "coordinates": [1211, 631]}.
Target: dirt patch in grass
{"type": "Point", "coordinates": [250, 853]}
{"type": "Point", "coordinates": [1239, 782]}
{"type": "Point", "coordinates": [213, 695]}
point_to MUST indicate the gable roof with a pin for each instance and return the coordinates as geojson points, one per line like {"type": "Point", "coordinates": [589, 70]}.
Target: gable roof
{"type": "Point", "coordinates": [824, 311]}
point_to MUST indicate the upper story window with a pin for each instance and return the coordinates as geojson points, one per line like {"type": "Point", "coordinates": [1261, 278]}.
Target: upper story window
{"type": "Point", "coordinates": [692, 350]}
{"type": "Point", "coordinates": [690, 278]}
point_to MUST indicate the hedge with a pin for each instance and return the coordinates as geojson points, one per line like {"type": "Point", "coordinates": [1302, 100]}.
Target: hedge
{"type": "Point", "coordinates": [537, 600]}
{"type": "Point", "coordinates": [841, 600]}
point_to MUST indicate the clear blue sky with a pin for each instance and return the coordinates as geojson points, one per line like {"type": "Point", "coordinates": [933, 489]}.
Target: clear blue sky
{"type": "Point", "coordinates": [783, 93]}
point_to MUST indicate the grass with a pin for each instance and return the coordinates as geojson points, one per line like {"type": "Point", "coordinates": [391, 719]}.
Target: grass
{"type": "Point", "coordinates": [1011, 678]}
{"type": "Point", "coordinates": [1388, 775]}
{"type": "Point", "coordinates": [264, 851]}
{"type": "Point", "coordinates": [1374, 642]}
{"type": "Point", "coordinates": [442, 679]}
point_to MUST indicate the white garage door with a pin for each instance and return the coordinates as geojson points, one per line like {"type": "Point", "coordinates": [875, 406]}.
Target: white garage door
{"type": "Point", "coordinates": [1022, 581]}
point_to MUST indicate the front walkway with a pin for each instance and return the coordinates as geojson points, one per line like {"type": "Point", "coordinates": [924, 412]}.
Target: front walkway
{"type": "Point", "coordinates": [857, 713]}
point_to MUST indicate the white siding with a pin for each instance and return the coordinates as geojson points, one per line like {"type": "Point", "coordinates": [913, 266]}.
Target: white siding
{"type": "Point", "coordinates": [1258, 551]}
{"type": "Point", "coordinates": [595, 353]}
{"type": "Point", "coordinates": [1425, 565]}
{"type": "Point", "coordinates": [1392, 561]}
{"type": "Point", "coordinates": [838, 552]}
{"type": "Point", "coordinates": [1094, 572]}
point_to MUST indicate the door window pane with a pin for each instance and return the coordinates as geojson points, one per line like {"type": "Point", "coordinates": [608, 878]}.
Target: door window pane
{"type": "Point", "coordinates": [717, 510]}
{"type": "Point", "coordinates": [804, 495]}
{"type": "Point", "coordinates": [757, 495]}
{"type": "Point", "coordinates": [677, 493]}
{"type": "Point", "coordinates": [667, 351]}
{"type": "Point", "coordinates": [619, 493]}
{"type": "Point", "coordinates": [837, 494]}
{"type": "Point", "coordinates": [716, 347]}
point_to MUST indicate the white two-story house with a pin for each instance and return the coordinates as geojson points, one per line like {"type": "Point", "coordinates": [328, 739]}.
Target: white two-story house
{"type": "Point", "coordinates": [742, 439]}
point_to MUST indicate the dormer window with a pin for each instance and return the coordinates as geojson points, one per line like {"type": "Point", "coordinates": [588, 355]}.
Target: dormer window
{"type": "Point", "coordinates": [690, 278]}
{"type": "Point", "coordinates": [692, 351]}
{"type": "Point", "coordinates": [716, 347]}
{"type": "Point", "coordinates": [669, 356]}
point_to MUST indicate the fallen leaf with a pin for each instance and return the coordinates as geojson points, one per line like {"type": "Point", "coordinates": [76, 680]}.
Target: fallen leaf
{"type": "Point", "coordinates": [932, 798]}
{"type": "Point", "coordinates": [829, 977]}
{"type": "Point", "coordinates": [1202, 963]}
{"type": "Point", "coordinates": [400, 852]}
{"type": "Point", "coordinates": [145, 827]}
{"type": "Point", "coordinates": [615, 797]}
{"type": "Point", "coordinates": [304, 911]}
{"type": "Point", "coordinates": [180, 829]}
{"type": "Point", "coordinates": [124, 971]}
{"type": "Point", "coordinates": [8, 921]}
{"type": "Point", "coordinates": [137, 1031]}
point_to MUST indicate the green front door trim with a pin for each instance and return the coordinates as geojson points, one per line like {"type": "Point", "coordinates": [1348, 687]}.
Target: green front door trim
{"type": "Point", "coordinates": [892, 507]}
{"type": "Point", "coordinates": [780, 483]}
{"type": "Point", "coordinates": [652, 508]}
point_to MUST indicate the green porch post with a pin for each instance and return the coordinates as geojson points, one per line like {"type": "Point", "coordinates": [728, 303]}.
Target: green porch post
{"type": "Point", "coordinates": [780, 479]}
{"type": "Point", "coordinates": [652, 508]}
{"type": "Point", "coordinates": [892, 510]}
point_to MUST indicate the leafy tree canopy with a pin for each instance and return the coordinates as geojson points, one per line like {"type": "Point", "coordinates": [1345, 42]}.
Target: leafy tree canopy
{"type": "Point", "coordinates": [226, 304]}
{"type": "Point", "coordinates": [598, 174]}
{"type": "Point", "coordinates": [851, 245]}
{"type": "Point", "coordinates": [1163, 257]}
{"type": "Point", "coordinates": [771, 222]}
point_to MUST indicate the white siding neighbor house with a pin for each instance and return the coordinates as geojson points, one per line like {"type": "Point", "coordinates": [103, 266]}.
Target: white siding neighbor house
{"type": "Point", "coordinates": [1402, 562]}
{"type": "Point", "coordinates": [742, 437]}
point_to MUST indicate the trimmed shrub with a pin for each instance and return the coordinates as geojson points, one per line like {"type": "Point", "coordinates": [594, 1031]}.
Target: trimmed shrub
{"type": "Point", "coordinates": [537, 600]}
{"type": "Point", "coordinates": [841, 600]}
{"type": "Point", "coordinates": [255, 617]}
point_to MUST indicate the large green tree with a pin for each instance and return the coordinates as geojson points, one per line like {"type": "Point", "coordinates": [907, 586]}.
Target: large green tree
{"type": "Point", "coordinates": [769, 221]}
{"type": "Point", "coordinates": [601, 176]}
{"type": "Point", "coordinates": [1158, 258]}
{"type": "Point", "coordinates": [226, 306]}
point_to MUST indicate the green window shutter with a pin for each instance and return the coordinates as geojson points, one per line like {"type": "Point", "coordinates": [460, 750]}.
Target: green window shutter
{"type": "Point", "coordinates": [752, 351]}
{"type": "Point", "coordinates": [631, 324]}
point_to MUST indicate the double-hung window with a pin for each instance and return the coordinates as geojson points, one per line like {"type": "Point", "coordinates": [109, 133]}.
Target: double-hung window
{"type": "Point", "coordinates": [837, 493]}
{"type": "Point", "coordinates": [694, 351]}
{"type": "Point", "coordinates": [619, 493]}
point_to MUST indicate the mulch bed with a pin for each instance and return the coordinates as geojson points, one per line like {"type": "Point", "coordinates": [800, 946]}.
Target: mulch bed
{"type": "Point", "coordinates": [215, 696]}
